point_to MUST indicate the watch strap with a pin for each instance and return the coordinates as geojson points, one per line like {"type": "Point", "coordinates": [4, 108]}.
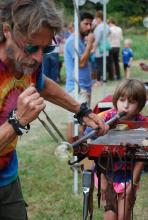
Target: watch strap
{"type": "Point", "coordinates": [19, 129]}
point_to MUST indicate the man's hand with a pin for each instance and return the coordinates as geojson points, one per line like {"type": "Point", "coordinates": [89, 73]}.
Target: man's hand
{"type": "Point", "coordinates": [90, 39]}
{"type": "Point", "coordinates": [29, 105]}
{"type": "Point", "coordinates": [92, 120]}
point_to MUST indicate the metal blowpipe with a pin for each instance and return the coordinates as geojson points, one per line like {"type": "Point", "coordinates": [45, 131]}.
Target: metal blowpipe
{"type": "Point", "coordinates": [90, 134]}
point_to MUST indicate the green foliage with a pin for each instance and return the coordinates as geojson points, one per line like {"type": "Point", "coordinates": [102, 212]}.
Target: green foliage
{"type": "Point", "coordinates": [65, 3]}
{"type": "Point", "coordinates": [129, 7]}
{"type": "Point", "coordinates": [126, 12]}
{"type": "Point", "coordinates": [127, 22]}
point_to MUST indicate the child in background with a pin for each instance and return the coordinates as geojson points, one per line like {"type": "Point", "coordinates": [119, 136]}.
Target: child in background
{"type": "Point", "coordinates": [130, 97]}
{"type": "Point", "coordinates": [127, 56]}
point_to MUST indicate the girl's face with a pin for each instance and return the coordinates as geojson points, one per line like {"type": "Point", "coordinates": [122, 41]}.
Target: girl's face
{"type": "Point", "coordinates": [127, 105]}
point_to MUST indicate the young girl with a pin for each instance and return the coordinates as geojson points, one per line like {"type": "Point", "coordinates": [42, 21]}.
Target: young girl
{"type": "Point", "coordinates": [130, 97]}
{"type": "Point", "coordinates": [127, 56]}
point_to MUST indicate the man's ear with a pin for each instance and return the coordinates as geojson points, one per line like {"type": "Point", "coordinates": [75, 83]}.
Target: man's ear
{"type": "Point", "coordinates": [6, 30]}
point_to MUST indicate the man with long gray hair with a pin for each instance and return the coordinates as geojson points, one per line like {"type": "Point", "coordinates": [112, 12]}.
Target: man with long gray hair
{"type": "Point", "coordinates": [27, 29]}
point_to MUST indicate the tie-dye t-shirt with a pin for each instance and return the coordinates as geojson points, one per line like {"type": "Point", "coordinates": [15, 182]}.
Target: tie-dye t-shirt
{"type": "Point", "coordinates": [10, 89]}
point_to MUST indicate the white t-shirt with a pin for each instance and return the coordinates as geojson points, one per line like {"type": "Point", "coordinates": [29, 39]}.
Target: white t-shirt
{"type": "Point", "coordinates": [115, 36]}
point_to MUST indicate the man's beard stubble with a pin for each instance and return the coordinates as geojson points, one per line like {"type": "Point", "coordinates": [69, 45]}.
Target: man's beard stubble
{"type": "Point", "coordinates": [24, 67]}
{"type": "Point", "coordinates": [84, 34]}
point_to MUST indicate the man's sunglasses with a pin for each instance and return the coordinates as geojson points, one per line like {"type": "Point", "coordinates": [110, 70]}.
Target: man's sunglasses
{"type": "Point", "coordinates": [29, 48]}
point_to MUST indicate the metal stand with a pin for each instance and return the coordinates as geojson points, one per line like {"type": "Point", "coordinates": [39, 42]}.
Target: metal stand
{"type": "Point", "coordinates": [88, 186]}
{"type": "Point", "coordinates": [76, 71]}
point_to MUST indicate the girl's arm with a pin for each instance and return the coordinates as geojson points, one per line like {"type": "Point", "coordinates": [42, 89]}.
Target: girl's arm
{"type": "Point", "coordinates": [136, 178]}
{"type": "Point", "coordinates": [137, 172]}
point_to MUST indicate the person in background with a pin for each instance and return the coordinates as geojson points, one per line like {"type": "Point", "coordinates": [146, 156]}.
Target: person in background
{"type": "Point", "coordinates": [115, 38]}
{"type": "Point", "coordinates": [51, 63]}
{"type": "Point", "coordinates": [69, 29]}
{"type": "Point", "coordinates": [27, 29]}
{"type": "Point", "coordinates": [127, 57]}
{"type": "Point", "coordinates": [95, 21]}
{"type": "Point", "coordinates": [98, 32]}
{"type": "Point", "coordinates": [129, 97]}
{"type": "Point", "coordinates": [66, 33]}
{"type": "Point", "coordinates": [84, 82]}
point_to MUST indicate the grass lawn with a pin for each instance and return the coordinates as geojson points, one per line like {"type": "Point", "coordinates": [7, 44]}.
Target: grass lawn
{"type": "Point", "coordinates": [47, 182]}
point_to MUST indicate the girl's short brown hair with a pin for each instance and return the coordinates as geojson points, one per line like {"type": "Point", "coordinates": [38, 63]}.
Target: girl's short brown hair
{"type": "Point", "coordinates": [132, 89]}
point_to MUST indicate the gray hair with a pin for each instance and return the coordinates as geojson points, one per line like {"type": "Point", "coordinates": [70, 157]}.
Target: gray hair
{"type": "Point", "coordinates": [29, 16]}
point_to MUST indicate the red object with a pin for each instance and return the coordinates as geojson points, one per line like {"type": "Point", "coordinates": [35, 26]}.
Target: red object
{"type": "Point", "coordinates": [106, 103]}
{"type": "Point", "coordinates": [103, 104]}
{"type": "Point", "coordinates": [96, 149]}
{"type": "Point", "coordinates": [112, 142]}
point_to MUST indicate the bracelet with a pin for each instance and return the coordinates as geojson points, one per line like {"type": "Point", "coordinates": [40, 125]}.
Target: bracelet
{"type": "Point", "coordinates": [84, 111]}
{"type": "Point", "coordinates": [19, 129]}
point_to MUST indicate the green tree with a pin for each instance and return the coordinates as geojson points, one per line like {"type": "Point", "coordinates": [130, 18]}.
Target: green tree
{"type": "Point", "coordinates": [129, 7]}
{"type": "Point", "coordinates": [67, 4]}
